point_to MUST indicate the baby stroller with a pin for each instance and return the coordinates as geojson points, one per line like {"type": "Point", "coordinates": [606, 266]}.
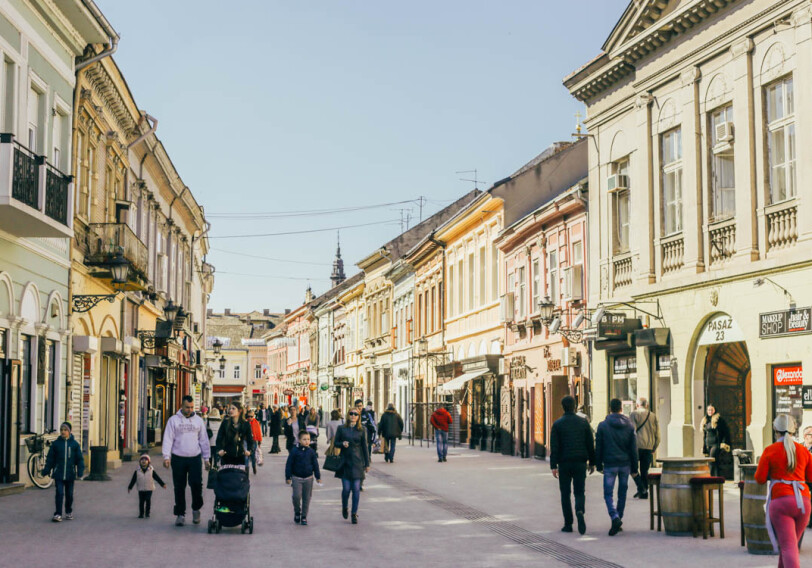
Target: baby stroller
{"type": "Point", "coordinates": [232, 500]}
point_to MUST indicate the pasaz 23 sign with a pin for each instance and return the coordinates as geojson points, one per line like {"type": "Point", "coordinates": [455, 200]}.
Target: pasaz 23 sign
{"type": "Point", "coordinates": [788, 375]}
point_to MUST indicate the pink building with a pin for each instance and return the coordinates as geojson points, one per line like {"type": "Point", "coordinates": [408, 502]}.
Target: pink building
{"type": "Point", "coordinates": [297, 359]}
{"type": "Point", "coordinates": [545, 283]}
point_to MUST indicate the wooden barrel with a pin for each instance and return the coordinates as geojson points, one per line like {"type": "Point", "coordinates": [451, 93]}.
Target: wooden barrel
{"type": "Point", "coordinates": [675, 493]}
{"type": "Point", "coordinates": [753, 517]}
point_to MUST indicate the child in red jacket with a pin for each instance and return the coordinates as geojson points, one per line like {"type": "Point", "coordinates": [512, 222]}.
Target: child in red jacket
{"type": "Point", "coordinates": [256, 432]}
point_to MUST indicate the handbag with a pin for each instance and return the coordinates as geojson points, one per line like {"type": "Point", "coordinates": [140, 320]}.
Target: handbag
{"type": "Point", "coordinates": [333, 463]}
{"type": "Point", "coordinates": [212, 481]}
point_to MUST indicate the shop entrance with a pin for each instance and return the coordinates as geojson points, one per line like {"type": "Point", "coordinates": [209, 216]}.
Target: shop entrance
{"type": "Point", "coordinates": [727, 387]}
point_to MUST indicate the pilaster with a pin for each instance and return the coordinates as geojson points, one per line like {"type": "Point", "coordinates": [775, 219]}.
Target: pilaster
{"type": "Point", "coordinates": [692, 193]}
{"type": "Point", "coordinates": [802, 79]}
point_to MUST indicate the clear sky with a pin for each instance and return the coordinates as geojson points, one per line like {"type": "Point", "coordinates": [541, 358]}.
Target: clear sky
{"type": "Point", "coordinates": [287, 106]}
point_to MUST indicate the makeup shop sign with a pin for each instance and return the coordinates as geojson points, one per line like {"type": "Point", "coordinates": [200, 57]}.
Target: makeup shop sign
{"type": "Point", "coordinates": [797, 321]}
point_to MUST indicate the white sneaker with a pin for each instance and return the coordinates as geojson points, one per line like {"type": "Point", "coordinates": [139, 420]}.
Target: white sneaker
{"type": "Point", "coordinates": [69, 517]}
{"type": "Point", "coordinates": [180, 521]}
{"type": "Point", "coordinates": [196, 517]}
{"type": "Point", "coordinates": [57, 518]}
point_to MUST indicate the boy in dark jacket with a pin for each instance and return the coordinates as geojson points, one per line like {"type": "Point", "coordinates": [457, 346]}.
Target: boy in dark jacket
{"type": "Point", "coordinates": [145, 477]}
{"type": "Point", "coordinates": [65, 464]}
{"type": "Point", "coordinates": [572, 452]}
{"type": "Point", "coordinates": [616, 456]}
{"type": "Point", "coordinates": [302, 466]}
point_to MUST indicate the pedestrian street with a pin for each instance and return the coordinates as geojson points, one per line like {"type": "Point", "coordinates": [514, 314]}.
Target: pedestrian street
{"type": "Point", "coordinates": [477, 510]}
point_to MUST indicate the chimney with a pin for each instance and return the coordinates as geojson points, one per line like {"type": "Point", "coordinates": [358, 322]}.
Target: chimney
{"type": "Point", "coordinates": [266, 312]}
{"type": "Point", "coordinates": [209, 312]}
{"type": "Point", "coordinates": [228, 311]}
{"type": "Point", "coordinates": [287, 311]}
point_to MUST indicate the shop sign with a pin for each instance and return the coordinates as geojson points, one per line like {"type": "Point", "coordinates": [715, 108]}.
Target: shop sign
{"type": "Point", "coordinates": [624, 367]}
{"type": "Point", "coordinates": [312, 387]}
{"type": "Point", "coordinates": [788, 390]}
{"type": "Point", "coordinates": [553, 365]}
{"type": "Point", "coordinates": [611, 326]}
{"type": "Point", "coordinates": [788, 375]}
{"type": "Point", "coordinates": [197, 396]}
{"type": "Point", "coordinates": [324, 386]}
{"type": "Point", "coordinates": [806, 393]}
{"type": "Point", "coordinates": [721, 329]}
{"type": "Point", "coordinates": [518, 368]}
{"type": "Point", "coordinates": [785, 322]}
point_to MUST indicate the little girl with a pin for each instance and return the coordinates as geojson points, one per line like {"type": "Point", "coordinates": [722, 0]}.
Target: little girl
{"type": "Point", "coordinates": [145, 476]}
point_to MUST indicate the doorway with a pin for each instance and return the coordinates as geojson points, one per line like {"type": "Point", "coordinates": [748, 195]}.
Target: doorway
{"type": "Point", "coordinates": [9, 420]}
{"type": "Point", "coordinates": [727, 388]}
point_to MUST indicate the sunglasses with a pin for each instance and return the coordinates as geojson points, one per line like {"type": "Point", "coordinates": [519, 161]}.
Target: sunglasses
{"type": "Point", "coordinates": [353, 414]}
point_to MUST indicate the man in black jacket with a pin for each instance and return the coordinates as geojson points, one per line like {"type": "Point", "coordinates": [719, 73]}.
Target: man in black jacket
{"type": "Point", "coordinates": [616, 455]}
{"type": "Point", "coordinates": [571, 448]}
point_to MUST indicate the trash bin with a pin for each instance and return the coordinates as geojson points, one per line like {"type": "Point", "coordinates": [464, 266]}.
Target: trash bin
{"type": "Point", "coordinates": [98, 464]}
{"type": "Point", "coordinates": [740, 458]}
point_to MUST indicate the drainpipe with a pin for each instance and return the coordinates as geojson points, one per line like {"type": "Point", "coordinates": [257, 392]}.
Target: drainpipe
{"type": "Point", "coordinates": [442, 245]}
{"type": "Point", "coordinates": [108, 29]}
{"type": "Point", "coordinates": [153, 126]}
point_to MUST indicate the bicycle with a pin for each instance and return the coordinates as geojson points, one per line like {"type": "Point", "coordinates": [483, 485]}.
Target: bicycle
{"type": "Point", "coordinates": [36, 460]}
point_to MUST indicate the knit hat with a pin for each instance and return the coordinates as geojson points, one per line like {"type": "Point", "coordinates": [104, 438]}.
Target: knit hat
{"type": "Point", "coordinates": [144, 457]}
{"type": "Point", "coordinates": [68, 424]}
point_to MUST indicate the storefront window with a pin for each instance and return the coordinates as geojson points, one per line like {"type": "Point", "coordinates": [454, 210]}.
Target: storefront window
{"type": "Point", "coordinates": [624, 380]}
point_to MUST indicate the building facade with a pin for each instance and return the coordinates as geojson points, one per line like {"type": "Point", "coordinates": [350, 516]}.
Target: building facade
{"type": "Point", "coordinates": [698, 225]}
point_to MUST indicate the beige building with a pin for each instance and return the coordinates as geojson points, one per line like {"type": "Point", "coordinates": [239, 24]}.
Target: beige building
{"type": "Point", "coordinates": [699, 219]}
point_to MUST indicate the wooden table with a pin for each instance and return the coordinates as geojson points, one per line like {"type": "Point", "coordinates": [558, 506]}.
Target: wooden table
{"type": "Point", "coordinates": [675, 492]}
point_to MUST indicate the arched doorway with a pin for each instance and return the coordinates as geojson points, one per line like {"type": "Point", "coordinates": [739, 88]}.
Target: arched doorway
{"type": "Point", "coordinates": [727, 378]}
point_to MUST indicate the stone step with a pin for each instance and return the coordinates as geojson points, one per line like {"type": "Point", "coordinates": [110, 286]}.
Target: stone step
{"type": "Point", "coordinates": [11, 488]}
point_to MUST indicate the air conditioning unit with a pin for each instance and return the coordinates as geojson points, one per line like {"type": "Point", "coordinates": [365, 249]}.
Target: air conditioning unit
{"type": "Point", "coordinates": [724, 132]}
{"type": "Point", "coordinates": [573, 283]}
{"type": "Point", "coordinates": [617, 182]}
{"type": "Point", "coordinates": [570, 357]}
{"type": "Point", "coordinates": [506, 308]}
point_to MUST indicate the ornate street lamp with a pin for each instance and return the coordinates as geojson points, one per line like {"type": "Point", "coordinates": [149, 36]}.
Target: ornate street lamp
{"type": "Point", "coordinates": [373, 359]}
{"type": "Point", "coordinates": [546, 310]}
{"type": "Point", "coordinates": [170, 311]}
{"type": "Point", "coordinates": [222, 362]}
{"type": "Point", "coordinates": [119, 270]}
{"type": "Point", "coordinates": [217, 345]}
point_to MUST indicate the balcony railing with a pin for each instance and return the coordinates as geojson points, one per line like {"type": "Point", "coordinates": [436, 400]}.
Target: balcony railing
{"type": "Point", "coordinates": [35, 197]}
{"type": "Point", "coordinates": [722, 241]}
{"type": "Point", "coordinates": [673, 254]}
{"type": "Point", "coordinates": [622, 271]}
{"type": "Point", "coordinates": [782, 225]}
{"type": "Point", "coordinates": [105, 240]}
{"type": "Point", "coordinates": [25, 183]}
{"type": "Point", "coordinates": [57, 193]}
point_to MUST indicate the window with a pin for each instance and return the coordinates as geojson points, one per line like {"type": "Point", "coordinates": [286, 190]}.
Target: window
{"type": "Point", "coordinates": [471, 281]}
{"type": "Point", "coordinates": [80, 205]}
{"type": "Point", "coordinates": [482, 294]}
{"type": "Point", "coordinates": [552, 271]}
{"type": "Point", "coordinates": [622, 211]}
{"type": "Point", "coordinates": [89, 169]}
{"type": "Point", "coordinates": [671, 149]}
{"type": "Point", "coordinates": [433, 308]}
{"type": "Point", "coordinates": [450, 290]}
{"type": "Point", "coordinates": [511, 289]}
{"type": "Point", "coordinates": [9, 87]}
{"type": "Point", "coordinates": [781, 139]}
{"type": "Point", "coordinates": [258, 371]}
{"type": "Point", "coordinates": [35, 99]}
{"type": "Point", "coordinates": [221, 373]}
{"type": "Point", "coordinates": [460, 305]}
{"type": "Point", "coordinates": [59, 129]}
{"type": "Point", "coordinates": [494, 273]}
{"type": "Point", "coordinates": [536, 285]}
{"type": "Point", "coordinates": [522, 289]}
{"type": "Point", "coordinates": [723, 200]}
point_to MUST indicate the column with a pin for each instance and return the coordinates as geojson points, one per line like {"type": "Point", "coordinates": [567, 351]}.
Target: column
{"type": "Point", "coordinates": [692, 191]}
{"type": "Point", "coordinates": [643, 192]}
{"type": "Point", "coordinates": [802, 78]}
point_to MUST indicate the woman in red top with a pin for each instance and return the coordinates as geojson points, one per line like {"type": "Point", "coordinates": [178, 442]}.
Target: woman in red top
{"type": "Point", "coordinates": [787, 465]}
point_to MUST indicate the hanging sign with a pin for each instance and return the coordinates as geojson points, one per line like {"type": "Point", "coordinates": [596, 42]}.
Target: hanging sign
{"type": "Point", "coordinates": [312, 387]}
{"type": "Point", "coordinates": [806, 393]}
{"type": "Point", "coordinates": [785, 322]}
{"type": "Point", "coordinates": [721, 329]}
{"type": "Point", "coordinates": [788, 395]}
{"type": "Point", "coordinates": [611, 326]}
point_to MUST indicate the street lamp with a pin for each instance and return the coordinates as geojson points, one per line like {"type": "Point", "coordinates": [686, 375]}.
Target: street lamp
{"type": "Point", "coordinates": [373, 359]}
{"type": "Point", "coordinates": [170, 311]}
{"type": "Point", "coordinates": [546, 310]}
{"type": "Point", "coordinates": [119, 270]}
{"type": "Point", "coordinates": [217, 345]}
{"type": "Point", "coordinates": [222, 362]}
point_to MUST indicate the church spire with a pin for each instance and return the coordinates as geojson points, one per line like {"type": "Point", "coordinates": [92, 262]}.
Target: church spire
{"type": "Point", "coordinates": [337, 277]}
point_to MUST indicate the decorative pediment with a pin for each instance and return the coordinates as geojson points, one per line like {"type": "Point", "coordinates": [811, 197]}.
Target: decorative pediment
{"type": "Point", "coordinates": [638, 17]}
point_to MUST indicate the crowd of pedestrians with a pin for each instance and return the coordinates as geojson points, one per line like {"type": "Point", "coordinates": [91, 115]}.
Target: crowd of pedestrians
{"type": "Point", "coordinates": [622, 446]}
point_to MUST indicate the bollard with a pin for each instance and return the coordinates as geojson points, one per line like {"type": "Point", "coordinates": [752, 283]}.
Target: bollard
{"type": "Point", "coordinates": [98, 464]}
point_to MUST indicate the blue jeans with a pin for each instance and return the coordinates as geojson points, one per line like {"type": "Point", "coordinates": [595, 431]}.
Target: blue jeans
{"type": "Point", "coordinates": [620, 473]}
{"type": "Point", "coordinates": [347, 486]}
{"type": "Point", "coordinates": [390, 454]}
{"type": "Point", "coordinates": [64, 490]}
{"type": "Point", "coordinates": [441, 436]}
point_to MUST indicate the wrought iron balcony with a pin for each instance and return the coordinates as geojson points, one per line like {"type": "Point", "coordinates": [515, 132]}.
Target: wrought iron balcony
{"type": "Point", "coordinates": [34, 195]}
{"type": "Point", "coordinates": [103, 241]}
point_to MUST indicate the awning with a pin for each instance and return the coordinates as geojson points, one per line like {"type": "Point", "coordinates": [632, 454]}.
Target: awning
{"type": "Point", "coordinates": [457, 383]}
{"type": "Point", "coordinates": [228, 389]}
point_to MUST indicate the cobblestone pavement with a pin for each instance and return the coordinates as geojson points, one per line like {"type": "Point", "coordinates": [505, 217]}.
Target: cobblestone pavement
{"type": "Point", "coordinates": [475, 510]}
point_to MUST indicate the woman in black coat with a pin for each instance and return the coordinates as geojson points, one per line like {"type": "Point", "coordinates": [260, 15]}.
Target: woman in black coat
{"type": "Point", "coordinates": [351, 439]}
{"type": "Point", "coordinates": [390, 428]}
{"type": "Point", "coordinates": [716, 437]}
{"type": "Point", "coordinates": [292, 426]}
{"type": "Point", "coordinates": [275, 428]}
{"type": "Point", "coordinates": [235, 442]}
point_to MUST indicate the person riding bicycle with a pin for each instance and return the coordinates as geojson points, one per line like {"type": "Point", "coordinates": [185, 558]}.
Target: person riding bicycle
{"type": "Point", "coordinates": [64, 464]}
